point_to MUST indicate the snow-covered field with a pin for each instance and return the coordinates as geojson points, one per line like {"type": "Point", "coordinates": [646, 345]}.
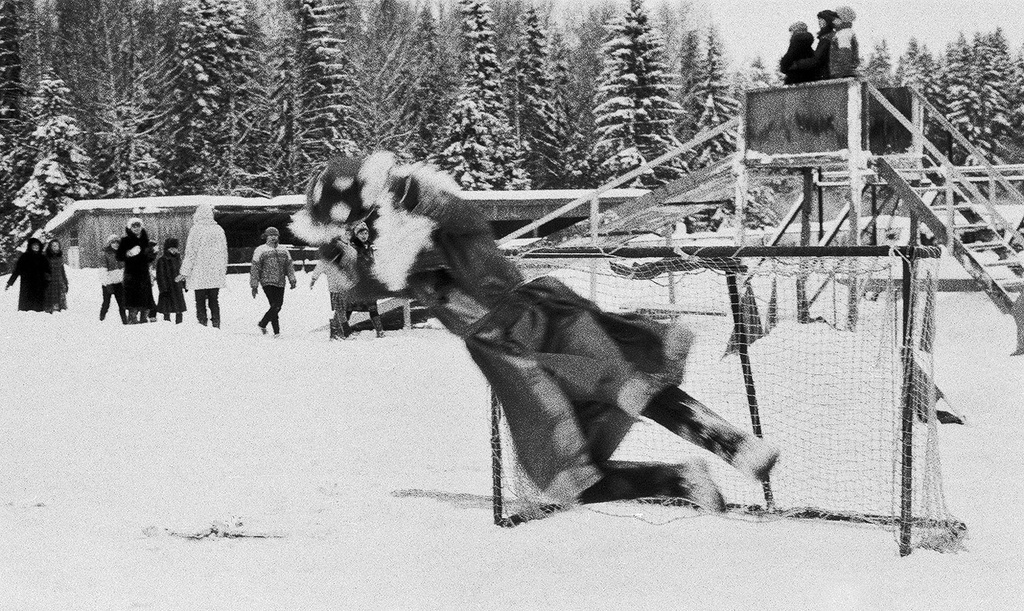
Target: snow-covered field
{"type": "Point", "coordinates": [356, 475]}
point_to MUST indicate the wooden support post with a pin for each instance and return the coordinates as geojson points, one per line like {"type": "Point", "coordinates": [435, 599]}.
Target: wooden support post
{"type": "Point", "coordinates": [740, 170]}
{"type": "Point", "coordinates": [857, 164]}
{"type": "Point", "coordinates": [874, 215]}
{"type": "Point", "coordinates": [950, 207]}
{"type": "Point", "coordinates": [595, 216]}
{"type": "Point", "coordinates": [803, 314]}
{"type": "Point", "coordinates": [856, 112]}
{"type": "Point", "coordinates": [907, 419]}
{"type": "Point", "coordinates": [821, 209]}
{"type": "Point", "coordinates": [917, 118]}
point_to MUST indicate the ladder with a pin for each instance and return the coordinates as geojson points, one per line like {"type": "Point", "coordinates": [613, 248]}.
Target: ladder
{"type": "Point", "coordinates": [988, 247]}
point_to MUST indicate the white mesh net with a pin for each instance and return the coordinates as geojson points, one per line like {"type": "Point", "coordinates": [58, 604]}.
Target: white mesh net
{"type": "Point", "coordinates": [824, 339]}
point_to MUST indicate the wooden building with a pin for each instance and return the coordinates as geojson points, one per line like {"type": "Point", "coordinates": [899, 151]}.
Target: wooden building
{"type": "Point", "coordinates": [83, 228]}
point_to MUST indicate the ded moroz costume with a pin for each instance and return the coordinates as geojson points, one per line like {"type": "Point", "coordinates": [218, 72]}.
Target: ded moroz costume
{"type": "Point", "coordinates": [572, 379]}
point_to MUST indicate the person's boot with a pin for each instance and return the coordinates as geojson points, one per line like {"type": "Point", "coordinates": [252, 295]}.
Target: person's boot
{"type": "Point", "coordinates": [378, 326]}
{"type": "Point", "coordinates": [346, 330]}
{"type": "Point", "coordinates": [133, 316]}
{"type": "Point", "coordinates": [336, 332]}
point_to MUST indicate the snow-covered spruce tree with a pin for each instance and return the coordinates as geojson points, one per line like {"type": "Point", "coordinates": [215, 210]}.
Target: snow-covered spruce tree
{"type": "Point", "coordinates": [1014, 143]}
{"type": "Point", "coordinates": [124, 144]}
{"type": "Point", "coordinates": [60, 167]}
{"type": "Point", "coordinates": [879, 66]}
{"type": "Point", "coordinates": [285, 171]}
{"type": "Point", "coordinates": [959, 86]}
{"type": "Point", "coordinates": [127, 143]}
{"type": "Point", "coordinates": [431, 96]}
{"type": "Point", "coordinates": [754, 76]}
{"type": "Point", "coordinates": [994, 67]}
{"type": "Point", "coordinates": [14, 156]}
{"type": "Point", "coordinates": [531, 105]}
{"type": "Point", "coordinates": [11, 90]}
{"type": "Point", "coordinates": [481, 149]}
{"type": "Point", "coordinates": [571, 162]}
{"type": "Point", "coordinates": [324, 107]}
{"type": "Point", "coordinates": [635, 115]}
{"type": "Point", "coordinates": [385, 61]}
{"type": "Point", "coordinates": [209, 90]}
{"type": "Point", "coordinates": [689, 80]}
{"type": "Point", "coordinates": [714, 101]}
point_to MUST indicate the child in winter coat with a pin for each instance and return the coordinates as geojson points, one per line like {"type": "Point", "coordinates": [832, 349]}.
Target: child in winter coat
{"type": "Point", "coordinates": [334, 265]}
{"type": "Point", "coordinates": [113, 279]}
{"type": "Point", "coordinates": [364, 264]}
{"type": "Point", "coordinates": [57, 289]}
{"type": "Point", "coordinates": [801, 46]}
{"type": "Point", "coordinates": [172, 294]}
{"type": "Point", "coordinates": [844, 56]}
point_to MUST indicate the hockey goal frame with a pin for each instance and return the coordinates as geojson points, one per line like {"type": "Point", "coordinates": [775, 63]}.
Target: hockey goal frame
{"type": "Point", "coordinates": [730, 261]}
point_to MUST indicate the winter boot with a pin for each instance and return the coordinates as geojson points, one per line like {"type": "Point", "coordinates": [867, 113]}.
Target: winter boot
{"type": "Point", "coordinates": [346, 330]}
{"type": "Point", "coordinates": [755, 457]}
{"type": "Point", "coordinates": [378, 326]}
{"type": "Point", "coordinates": [695, 485]}
{"type": "Point", "coordinates": [336, 330]}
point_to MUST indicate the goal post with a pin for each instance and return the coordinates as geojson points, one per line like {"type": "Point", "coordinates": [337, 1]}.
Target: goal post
{"type": "Point", "coordinates": [849, 399]}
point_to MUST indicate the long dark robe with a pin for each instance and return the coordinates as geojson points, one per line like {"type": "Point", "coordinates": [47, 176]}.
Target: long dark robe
{"type": "Point", "coordinates": [554, 359]}
{"type": "Point", "coordinates": [34, 271]}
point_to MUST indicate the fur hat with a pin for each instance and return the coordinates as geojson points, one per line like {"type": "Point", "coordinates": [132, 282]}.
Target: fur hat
{"type": "Point", "coordinates": [799, 26]}
{"type": "Point", "coordinates": [828, 15]}
{"type": "Point", "coordinates": [133, 221]}
{"type": "Point", "coordinates": [846, 14]}
{"type": "Point", "coordinates": [170, 243]}
{"type": "Point", "coordinates": [111, 239]}
{"type": "Point", "coordinates": [271, 231]}
{"type": "Point", "coordinates": [346, 190]}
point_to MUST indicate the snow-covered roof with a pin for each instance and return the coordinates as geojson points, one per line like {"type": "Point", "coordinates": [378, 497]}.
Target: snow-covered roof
{"type": "Point", "coordinates": [540, 195]}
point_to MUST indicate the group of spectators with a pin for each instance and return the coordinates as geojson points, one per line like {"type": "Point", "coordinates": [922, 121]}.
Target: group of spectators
{"type": "Point", "coordinates": [44, 278]}
{"type": "Point", "coordinates": [272, 267]}
{"type": "Point", "coordinates": [132, 264]}
{"type": "Point", "coordinates": [836, 55]}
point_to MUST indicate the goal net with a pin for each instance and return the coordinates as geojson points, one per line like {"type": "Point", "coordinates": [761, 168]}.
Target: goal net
{"type": "Point", "coordinates": [828, 356]}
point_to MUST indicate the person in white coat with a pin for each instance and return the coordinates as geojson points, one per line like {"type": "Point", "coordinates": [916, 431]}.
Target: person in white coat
{"type": "Point", "coordinates": [205, 264]}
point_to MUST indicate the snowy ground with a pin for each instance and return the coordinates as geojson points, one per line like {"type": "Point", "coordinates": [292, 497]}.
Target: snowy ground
{"type": "Point", "coordinates": [359, 473]}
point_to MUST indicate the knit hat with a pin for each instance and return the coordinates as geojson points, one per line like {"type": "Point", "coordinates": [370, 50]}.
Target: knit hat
{"type": "Point", "coordinates": [846, 14]}
{"type": "Point", "coordinates": [271, 231]}
{"type": "Point", "coordinates": [799, 26]}
{"type": "Point", "coordinates": [133, 221]}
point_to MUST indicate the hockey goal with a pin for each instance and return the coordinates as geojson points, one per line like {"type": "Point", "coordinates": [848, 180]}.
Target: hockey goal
{"type": "Point", "coordinates": [827, 352]}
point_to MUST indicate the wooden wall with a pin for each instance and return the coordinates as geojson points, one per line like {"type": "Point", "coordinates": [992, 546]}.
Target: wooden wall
{"type": "Point", "coordinates": [93, 227]}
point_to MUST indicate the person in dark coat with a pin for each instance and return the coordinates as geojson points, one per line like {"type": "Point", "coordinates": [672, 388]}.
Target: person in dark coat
{"type": "Point", "coordinates": [172, 293]}
{"type": "Point", "coordinates": [818, 65]}
{"type": "Point", "coordinates": [57, 288]}
{"type": "Point", "coordinates": [571, 378]}
{"type": "Point", "coordinates": [34, 270]}
{"type": "Point", "coordinates": [136, 253]}
{"type": "Point", "coordinates": [364, 264]}
{"type": "Point", "coordinates": [801, 46]}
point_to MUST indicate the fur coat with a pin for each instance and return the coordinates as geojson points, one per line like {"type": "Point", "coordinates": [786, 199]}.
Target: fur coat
{"type": "Point", "coordinates": [571, 379]}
